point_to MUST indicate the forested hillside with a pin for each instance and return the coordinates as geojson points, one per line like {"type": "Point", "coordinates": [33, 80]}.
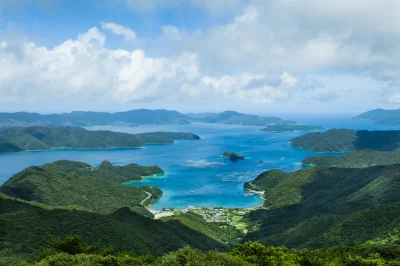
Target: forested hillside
{"type": "Point", "coordinates": [357, 159]}
{"type": "Point", "coordinates": [68, 183]}
{"type": "Point", "coordinates": [344, 140]}
{"type": "Point", "coordinates": [324, 206]}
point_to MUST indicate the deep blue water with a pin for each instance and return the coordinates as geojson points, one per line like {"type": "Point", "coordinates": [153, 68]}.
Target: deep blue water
{"type": "Point", "coordinates": [194, 165]}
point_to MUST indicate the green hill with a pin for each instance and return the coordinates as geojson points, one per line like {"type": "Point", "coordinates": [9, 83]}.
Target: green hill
{"type": "Point", "coordinates": [26, 227]}
{"type": "Point", "coordinates": [68, 183]}
{"type": "Point", "coordinates": [357, 159]}
{"type": "Point", "coordinates": [380, 116]}
{"type": "Point", "coordinates": [288, 127]}
{"type": "Point", "coordinates": [326, 206]}
{"type": "Point", "coordinates": [44, 138]}
{"type": "Point", "coordinates": [344, 140]}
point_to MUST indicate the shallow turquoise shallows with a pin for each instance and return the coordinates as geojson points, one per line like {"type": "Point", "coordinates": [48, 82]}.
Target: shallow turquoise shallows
{"type": "Point", "coordinates": [196, 173]}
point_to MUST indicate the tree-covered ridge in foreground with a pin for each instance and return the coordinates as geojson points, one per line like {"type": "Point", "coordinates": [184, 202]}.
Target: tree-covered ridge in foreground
{"type": "Point", "coordinates": [44, 138]}
{"type": "Point", "coordinates": [357, 159]}
{"type": "Point", "coordinates": [74, 251]}
{"type": "Point", "coordinates": [26, 226]}
{"type": "Point", "coordinates": [381, 116]}
{"type": "Point", "coordinates": [68, 183]}
{"type": "Point", "coordinates": [326, 206]}
{"type": "Point", "coordinates": [288, 127]}
{"type": "Point", "coordinates": [344, 140]}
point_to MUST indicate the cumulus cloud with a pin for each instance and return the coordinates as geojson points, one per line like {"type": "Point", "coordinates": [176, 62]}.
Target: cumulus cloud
{"type": "Point", "coordinates": [127, 33]}
{"type": "Point", "coordinates": [263, 52]}
{"type": "Point", "coordinates": [83, 68]}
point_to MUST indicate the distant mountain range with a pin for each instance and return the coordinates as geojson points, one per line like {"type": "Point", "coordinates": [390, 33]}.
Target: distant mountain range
{"type": "Point", "coordinates": [133, 117]}
{"type": "Point", "coordinates": [381, 116]}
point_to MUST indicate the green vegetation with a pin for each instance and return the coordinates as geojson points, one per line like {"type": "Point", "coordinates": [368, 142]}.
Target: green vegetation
{"type": "Point", "coordinates": [357, 159]}
{"type": "Point", "coordinates": [380, 116]}
{"type": "Point", "coordinates": [324, 206]}
{"type": "Point", "coordinates": [344, 140]}
{"type": "Point", "coordinates": [74, 251]}
{"type": "Point", "coordinates": [68, 183]}
{"type": "Point", "coordinates": [26, 226]}
{"type": "Point", "coordinates": [235, 118]}
{"type": "Point", "coordinates": [233, 156]}
{"type": "Point", "coordinates": [288, 127]}
{"type": "Point", "coordinates": [221, 231]}
{"type": "Point", "coordinates": [43, 138]}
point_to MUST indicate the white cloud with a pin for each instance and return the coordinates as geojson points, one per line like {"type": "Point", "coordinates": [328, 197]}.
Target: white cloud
{"type": "Point", "coordinates": [127, 33]}
{"type": "Point", "coordinates": [84, 69]}
{"type": "Point", "coordinates": [336, 53]}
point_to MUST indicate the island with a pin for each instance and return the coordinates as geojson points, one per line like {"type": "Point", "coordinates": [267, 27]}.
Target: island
{"type": "Point", "coordinates": [357, 159]}
{"type": "Point", "coordinates": [235, 118]}
{"type": "Point", "coordinates": [233, 156]}
{"type": "Point", "coordinates": [381, 116]}
{"type": "Point", "coordinates": [17, 139]}
{"type": "Point", "coordinates": [289, 127]}
{"type": "Point", "coordinates": [346, 140]}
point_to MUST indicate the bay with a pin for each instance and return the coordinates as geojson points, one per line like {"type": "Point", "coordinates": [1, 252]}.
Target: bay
{"type": "Point", "coordinates": [196, 173]}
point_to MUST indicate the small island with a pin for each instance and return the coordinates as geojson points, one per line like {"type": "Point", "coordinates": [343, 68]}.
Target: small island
{"type": "Point", "coordinates": [233, 156]}
{"type": "Point", "coordinates": [287, 127]}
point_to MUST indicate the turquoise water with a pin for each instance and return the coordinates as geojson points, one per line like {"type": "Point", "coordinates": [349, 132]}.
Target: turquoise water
{"type": "Point", "coordinates": [196, 173]}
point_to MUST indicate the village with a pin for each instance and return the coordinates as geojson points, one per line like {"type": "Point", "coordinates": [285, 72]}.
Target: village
{"type": "Point", "coordinates": [230, 216]}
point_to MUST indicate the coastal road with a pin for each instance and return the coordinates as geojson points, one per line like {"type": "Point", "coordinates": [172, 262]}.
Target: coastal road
{"type": "Point", "coordinates": [148, 197]}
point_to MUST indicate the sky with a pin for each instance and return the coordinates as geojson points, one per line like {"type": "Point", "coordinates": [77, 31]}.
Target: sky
{"type": "Point", "coordinates": [254, 56]}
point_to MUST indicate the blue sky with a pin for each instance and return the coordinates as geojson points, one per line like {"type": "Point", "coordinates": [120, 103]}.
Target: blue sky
{"type": "Point", "coordinates": [286, 56]}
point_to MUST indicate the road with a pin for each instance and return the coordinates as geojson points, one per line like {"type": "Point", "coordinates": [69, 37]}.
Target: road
{"type": "Point", "coordinates": [148, 197]}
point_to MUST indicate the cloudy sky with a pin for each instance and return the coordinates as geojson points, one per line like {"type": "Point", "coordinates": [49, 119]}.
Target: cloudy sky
{"type": "Point", "coordinates": [258, 56]}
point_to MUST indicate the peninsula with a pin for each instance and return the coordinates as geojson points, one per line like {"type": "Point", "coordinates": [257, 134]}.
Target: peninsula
{"type": "Point", "coordinates": [69, 183]}
{"type": "Point", "coordinates": [45, 138]}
